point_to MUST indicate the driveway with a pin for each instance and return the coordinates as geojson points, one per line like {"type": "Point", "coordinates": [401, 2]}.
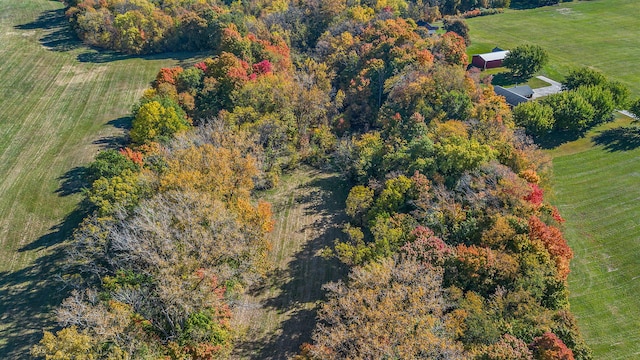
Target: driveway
{"type": "Point", "coordinates": [555, 87]}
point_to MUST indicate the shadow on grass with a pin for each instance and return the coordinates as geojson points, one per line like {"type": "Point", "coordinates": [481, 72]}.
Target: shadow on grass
{"type": "Point", "coordinates": [558, 138]}
{"type": "Point", "coordinates": [28, 296]}
{"type": "Point", "coordinates": [58, 34]}
{"type": "Point", "coordinates": [116, 141]}
{"type": "Point", "coordinates": [619, 139]}
{"type": "Point", "coordinates": [73, 181]}
{"type": "Point", "coordinates": [106, 56]}
{"type": "Point", "coordinates": [301, 282]}
{"type": "Point", "coordinates": [506, 79]}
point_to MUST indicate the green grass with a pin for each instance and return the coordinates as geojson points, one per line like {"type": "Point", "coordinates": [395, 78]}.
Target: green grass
{"type": "Point", "coordinates": [596, 190]}
{"type": "Point", "coordinates": [507, 81]}
{"type": "Point", "coordinates": [600, 34]}
{"type": "Point", "coordinates": [60, 103]}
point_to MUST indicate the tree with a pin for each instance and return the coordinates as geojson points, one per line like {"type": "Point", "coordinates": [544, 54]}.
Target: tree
{"type": "Point", "coordinates": [583, 77]}
{"type": "Point", "coordinates": [525, 60]}
{"type": "Point", "coordinates": [507, 348]}
{"type": "Point", "coordinates": [550, 347]}
{"type": "Point", "coordinates": [109, 163]}
{"type": "Point", "coordinates": [388, 310]}
{"type": "Point", "coordinates": [66, 344]}
{"type": "Point", "coordinates": [536, 117]}
{"type": "Point", "coordinates": [452, 49]}
{"type": "Point", "coordinates": [154, 121]}
{"type": "Point", "coordinates": [634, 108]}
{"type": "Point", "coordinates": [570, 110]}
{"type": "Point", "coordinates": [458, 26]}
{"type": "Point", "coordinates": [602, 101]}
{"type": "Point", "coordinates": [359, 201]}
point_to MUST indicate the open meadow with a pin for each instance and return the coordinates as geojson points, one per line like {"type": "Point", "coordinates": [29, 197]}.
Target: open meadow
{"type": "Point", "coordinates": [596, 189]}
{"type": "Point", "coordinates": [600, 34]}
{"type": "Point", "coordinates": [60, 102]}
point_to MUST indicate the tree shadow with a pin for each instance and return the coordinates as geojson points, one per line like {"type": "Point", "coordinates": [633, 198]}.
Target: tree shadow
{"type": "Point", "coordinates": [73, 181]}
{"type": "Point", "coordinates": [557, 138]}
{"type": "Point", "coordinates": [100, 56]}
{"type": "Point", "coordinates": [29, 296]}
{"type": "Point", "coordinates": [123, 122]}
{"type": "Point", "coordinates": [119, 140]}
{"type": "Point", "coordinates": [58, 34]}
{"type": "Point", "coordinates": [619, 139]}
{"type": "Point", "coordinates": [300, 283]}
{"type": "Point", "coordinates": [506, 79]}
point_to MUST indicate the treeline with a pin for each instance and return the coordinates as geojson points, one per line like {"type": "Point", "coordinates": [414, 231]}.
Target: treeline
{"type": "Point", "coordinates": [152, 26]}
{"type": "Point", "coordinates": [454, 251]}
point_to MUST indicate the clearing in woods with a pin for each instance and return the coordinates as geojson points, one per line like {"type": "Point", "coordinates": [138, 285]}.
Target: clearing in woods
{"type": "Point", "coordinates": [60, 102]}
{"type": "Point", "coordinates": [279, 315]}
{"type": "Point", "coordinates": [596, 187]}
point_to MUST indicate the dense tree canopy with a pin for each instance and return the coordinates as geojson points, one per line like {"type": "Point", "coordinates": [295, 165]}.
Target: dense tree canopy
{"type": "Point", "coordinates": [454, 251]}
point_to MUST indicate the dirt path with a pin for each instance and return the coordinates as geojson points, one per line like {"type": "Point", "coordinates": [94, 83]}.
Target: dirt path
{"type": "Point", "coordinates": [280, 315]}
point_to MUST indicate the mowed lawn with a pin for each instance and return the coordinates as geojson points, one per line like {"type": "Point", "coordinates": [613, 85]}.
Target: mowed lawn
{"type": "Point", "coordinates": [60, 103]}
{"type": "Point", "coordinates": [603, 34]}
{"type": "Point", "coordinates": [597, 189]}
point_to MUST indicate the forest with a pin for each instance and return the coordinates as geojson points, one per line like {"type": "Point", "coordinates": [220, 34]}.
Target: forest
{"type": "Point", "coordinates": [452, 248]}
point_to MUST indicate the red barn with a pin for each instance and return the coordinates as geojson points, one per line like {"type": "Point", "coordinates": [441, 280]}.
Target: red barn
{"type": "Point", "coordinates": [489, 60]}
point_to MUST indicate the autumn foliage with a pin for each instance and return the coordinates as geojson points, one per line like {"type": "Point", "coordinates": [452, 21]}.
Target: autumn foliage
{"type": "Point", "coordinates": [452, 248]}
{"type": "Point", "coordinates": [554, 242]}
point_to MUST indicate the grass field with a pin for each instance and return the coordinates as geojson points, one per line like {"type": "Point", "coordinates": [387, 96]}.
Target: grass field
{"type": "Point", "coordinates": [596, 188]}
{"type": "Point", "coordinates": [279, 315]}
{"type": "Point", "coordinates": [60, 103]}
{"type": "Point", "coordinates": [602, 34]}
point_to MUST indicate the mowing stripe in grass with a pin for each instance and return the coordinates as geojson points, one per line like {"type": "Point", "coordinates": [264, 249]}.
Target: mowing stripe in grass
{"type": "Point", "coordinates": [597, 192]}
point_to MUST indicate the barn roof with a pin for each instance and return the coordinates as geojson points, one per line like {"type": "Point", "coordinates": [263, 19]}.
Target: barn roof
{"type": "Point", "coordinates": [512, 98]}
{"type": "Point", "coordinates": [497, 55]}
{"type": "Point", "coordinates": [523, 90]}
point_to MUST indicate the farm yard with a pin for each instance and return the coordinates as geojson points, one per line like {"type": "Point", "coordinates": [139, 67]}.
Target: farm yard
{"type": "Point", "coordinates": [61, 103]}
{"type": "Point", "coordinates": [599, 34]}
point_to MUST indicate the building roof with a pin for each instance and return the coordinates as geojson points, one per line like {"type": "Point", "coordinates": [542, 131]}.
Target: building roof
{"type": "Point", "coordinates": [497, 55]}
{"type": "Point", "coordinates": [512, 98]}
{"type": "Point", "coordinates": [523, 90]}
{"type": "Point", "coordinates": [427, 25]}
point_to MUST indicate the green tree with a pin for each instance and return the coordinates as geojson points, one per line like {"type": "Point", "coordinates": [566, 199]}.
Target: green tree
{"type": "Point", "coordinates": [602, 101]}
{"type": "Point", "coordinates": [634, 108]}
{"type": "Point", "coordinates": [583, 77]}
{"type": "Point", "coordinates": [155, 122]}
{"type": "Point", "coordinates": [458, 26]}
{"type": "Point", "coordinates": [535, 117]}
{"type": "Point", "coordinates": [109, 163]}
{"type": "Point", "coordinates": [570, 110]}
{"type": "Point", "coordinates": [525, 60]}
